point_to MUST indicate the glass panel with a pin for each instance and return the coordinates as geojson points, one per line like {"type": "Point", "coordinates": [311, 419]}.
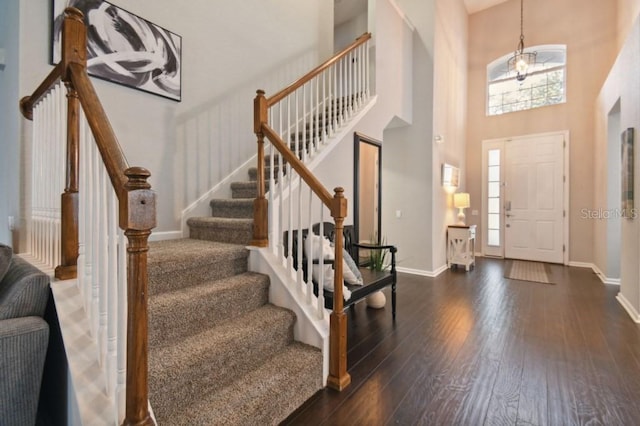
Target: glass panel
{"type": "Point", "coordinates": [494, 238]}
{"type": "Point", "coordinates": [494, 205]}
{"type": "Point", "coordinates": [494, 221]}
{"type": "Point", "coordinates": [545, 84]}
{"type": "Point", "coordinates": [494, 157]}
{"type": "Point", "coordinates": [494, 173]}
{"type": "Point", "coordinates": [494, 189]}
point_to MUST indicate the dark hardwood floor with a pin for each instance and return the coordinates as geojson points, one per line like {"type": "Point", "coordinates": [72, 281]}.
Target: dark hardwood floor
{"type": "Point", "coordinates": [478, 349]}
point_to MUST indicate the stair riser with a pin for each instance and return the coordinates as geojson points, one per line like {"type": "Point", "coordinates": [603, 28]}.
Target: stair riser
{"type": "Point", "coordinates": [178, 279]}
{"type": "Point", "coordinates": [235, 235]}
{"type": "Point", "coordinates": [208, 371]}
{"type": "Point", "coordinates": [246, 189]}
{"type": "Point", "coordinates": [176, 318]}
{"type": "Point", "coordinates": [223, 208]}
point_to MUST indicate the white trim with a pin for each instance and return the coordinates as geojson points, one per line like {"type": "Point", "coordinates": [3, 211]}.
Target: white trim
{"type": "Point", "coordinates": [308, 328]}
{"type": "Point", "coordinates": [633, 313]}
{"type": "Point", "coordinates": [567, 186]}
{"type": "Point", "coordinates": [402, 15]}
{"type": "Point", "coordinates": [423, 273]}
{"type": "Point", "coordinates": [580, 264]}
{"type": "Point", "coordinates": [167, 235]}
{"type": "Point", "coordinates": [223, 187]}
{"type": "Point", "coordinates": [603, 277]}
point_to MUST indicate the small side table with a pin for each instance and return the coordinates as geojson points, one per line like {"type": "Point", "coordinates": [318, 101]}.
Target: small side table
{"type": "Point", "coordinates": [461, 246]}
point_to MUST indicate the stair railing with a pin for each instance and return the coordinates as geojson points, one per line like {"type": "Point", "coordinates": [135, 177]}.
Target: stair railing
{"type": "Point", "coordinates": [306, 114]}
{"type": "Point", "coordinates": [75, 148]}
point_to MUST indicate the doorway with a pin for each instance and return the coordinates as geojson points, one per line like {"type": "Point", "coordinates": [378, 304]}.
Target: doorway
{"type": "Point", "coordinates": [367, 174]}
{"type": "Point", "coordinates": [525, 198]}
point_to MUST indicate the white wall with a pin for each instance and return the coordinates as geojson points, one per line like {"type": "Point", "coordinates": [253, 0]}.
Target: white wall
{"type": "Point", "coordinates": [393, 40]}
{"type": "Point", "coordinates": [224, 45]}
{"type": "Point", "coordinates": [623, 86]}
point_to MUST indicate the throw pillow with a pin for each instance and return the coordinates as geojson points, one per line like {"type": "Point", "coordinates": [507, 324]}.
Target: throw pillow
{"type": "Point", "coordinates": [327, 283]}
{"type": "Point", "coordinates": [350, 270]}
{"type": "Point", "coordinates": [5, 259]}
{"type": "Point", "coordinates": [317, 247]}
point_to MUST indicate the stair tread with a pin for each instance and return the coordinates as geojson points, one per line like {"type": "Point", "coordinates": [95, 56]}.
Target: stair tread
{"type": "Point", "coordinates": [266, 395]}
{"type": "Point", "coordinates": [185, 252]}
{"type": "Point", "coordinates": [221, 220]}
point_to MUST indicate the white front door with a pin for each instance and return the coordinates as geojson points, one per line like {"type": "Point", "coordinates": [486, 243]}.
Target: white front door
{"type": "Point", "coordinates": [534, 198]}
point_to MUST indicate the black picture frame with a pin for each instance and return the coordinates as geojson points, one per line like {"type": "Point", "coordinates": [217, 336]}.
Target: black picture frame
{"type": "Point", "coordinates": [124, 48]}
{"type": "Point", "coordinates": [627, 139]}
{"type": "Point", "coordinates": [374, 146]}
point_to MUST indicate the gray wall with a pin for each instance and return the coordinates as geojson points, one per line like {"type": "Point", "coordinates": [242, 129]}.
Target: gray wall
{"type": "Point", "coordinates": [225, 44]}
{"type": "Point", "coordinates": [9, 119]}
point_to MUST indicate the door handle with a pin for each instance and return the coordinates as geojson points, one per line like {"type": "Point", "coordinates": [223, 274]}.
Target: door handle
{"type": "Point", "coordinates": [507, 205]}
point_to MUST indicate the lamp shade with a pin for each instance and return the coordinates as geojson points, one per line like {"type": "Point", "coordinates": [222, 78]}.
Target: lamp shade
{"type": "Point", "coordinates": [461, 200]}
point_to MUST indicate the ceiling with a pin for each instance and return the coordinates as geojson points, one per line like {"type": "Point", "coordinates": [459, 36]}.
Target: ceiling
{"type": "Point", "coordinates": [474, 6]}
{"type": "Point", "coordinates": [348, 9]}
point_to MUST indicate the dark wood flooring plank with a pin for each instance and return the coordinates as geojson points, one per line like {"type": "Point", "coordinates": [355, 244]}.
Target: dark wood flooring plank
{"type": "Point", "coordinates": [475, 348]}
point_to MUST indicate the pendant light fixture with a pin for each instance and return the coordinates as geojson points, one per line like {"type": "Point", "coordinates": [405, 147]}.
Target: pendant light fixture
{"type": "Point", "coordinates": [521, 61]}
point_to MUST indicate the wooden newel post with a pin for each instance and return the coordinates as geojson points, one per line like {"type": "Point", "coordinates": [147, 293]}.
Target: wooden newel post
{"type": "Point", "coordinates": [69, 200]}
{"type": "Point", "coordinates": [260, 207]}
{"type": "Point", "coordinates": [74, 50]}
{"type": "Point", "coordinates": [338, 377]}
{"type": "Point", "coordinates": [138, 218]}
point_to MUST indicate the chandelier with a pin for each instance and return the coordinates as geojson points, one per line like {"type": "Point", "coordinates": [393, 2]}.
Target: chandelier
{"type": "Point", "coordinates": [521, 61]}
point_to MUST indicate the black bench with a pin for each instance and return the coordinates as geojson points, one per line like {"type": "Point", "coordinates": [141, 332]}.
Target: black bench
{"type": "Point", "coordinates": [372, 280]}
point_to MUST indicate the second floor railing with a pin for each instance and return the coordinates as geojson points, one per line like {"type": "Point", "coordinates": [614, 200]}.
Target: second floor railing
{"type": "Point", "coordinates": [97, 229]}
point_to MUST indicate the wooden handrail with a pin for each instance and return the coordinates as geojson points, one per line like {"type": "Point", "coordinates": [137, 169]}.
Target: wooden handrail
{"type": "Point", "coordinates": [103, 133]}
{"type": "Point", "coordinates": [27, 103]}
{"type": "Point", "coordinates": [338, 377]}
{"type": "Point", "coordinates": [308, 76]}
{"type": "Point", "coordinates": [298, 166]}
{"type": "Point", "coordinates": [136, 201]}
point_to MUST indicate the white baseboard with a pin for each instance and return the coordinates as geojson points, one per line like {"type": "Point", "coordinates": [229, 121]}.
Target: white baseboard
{"type": "Point", "coordinates": [421, 272]}
{"type": "Point", "coordinates": [168, 235]}
{"type": "Point", "coordinates": [604, 278]}
{"type": "Point", "coordinates": [633, 313]}
{"type": "Point", "coordinates": [581, 264]}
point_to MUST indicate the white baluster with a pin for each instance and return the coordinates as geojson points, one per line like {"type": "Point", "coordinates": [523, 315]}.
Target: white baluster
{"type": "Point", "coordinates": [102, 262]}
{"type": "Point", "coordinates": [311, 255]}
{"type": "Point", "coordinates": [299, 275]}
{"type": "Point", "coordinates": [320, 305]}
{"type": "Point", "coordinates": [122, 325]}
{"type": "Point", "coordinates": [112, 291]}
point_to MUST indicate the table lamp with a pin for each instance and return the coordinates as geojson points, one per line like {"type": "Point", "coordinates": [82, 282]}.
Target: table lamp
{"type": "Point", "coordinates": [461, 202]}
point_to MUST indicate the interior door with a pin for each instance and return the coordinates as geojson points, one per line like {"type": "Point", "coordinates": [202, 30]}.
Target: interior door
{"type": "Point", "coordinates": [534, 198]}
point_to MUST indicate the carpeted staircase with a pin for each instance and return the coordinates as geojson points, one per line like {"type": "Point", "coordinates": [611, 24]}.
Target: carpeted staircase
{"type": "Point", "coordinates": [219, 353]}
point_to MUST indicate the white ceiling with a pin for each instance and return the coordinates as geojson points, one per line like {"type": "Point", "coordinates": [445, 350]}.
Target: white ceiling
{"type": "Point", "coordinates": [345, 10]}
{"type": "Point", "coordinates": [474, 6]}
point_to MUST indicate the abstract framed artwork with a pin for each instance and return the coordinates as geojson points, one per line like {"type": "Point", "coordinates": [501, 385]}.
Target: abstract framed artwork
{"type": "Point", "coordinates": [124, 48]}
{"type": "Point", "coordinates": [627, 173]}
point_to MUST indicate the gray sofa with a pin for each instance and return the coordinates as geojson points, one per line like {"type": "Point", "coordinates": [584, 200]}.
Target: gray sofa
{"type": "Point", "coordinates": [24, 336]}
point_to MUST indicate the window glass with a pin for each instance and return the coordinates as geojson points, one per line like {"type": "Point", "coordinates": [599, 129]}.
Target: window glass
{"type": "Point", "coordinates": [544, 85]}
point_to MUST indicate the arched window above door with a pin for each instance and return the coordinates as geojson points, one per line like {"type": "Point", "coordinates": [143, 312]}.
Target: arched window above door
{"type": "Point", "coordinates": [544, 85]}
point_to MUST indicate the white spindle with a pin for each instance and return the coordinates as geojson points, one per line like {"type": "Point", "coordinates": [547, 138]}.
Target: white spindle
{"type": "Point", "coordinates": [310, 255]}
{"type": "Point", "coordinates": [122, 326]}
{"type": "Point", "coordinates": [102, 238]}
{"type": "Point", "coordinates": [320, 305]}
{"type": "Point", "coordinates": [112, 292]}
